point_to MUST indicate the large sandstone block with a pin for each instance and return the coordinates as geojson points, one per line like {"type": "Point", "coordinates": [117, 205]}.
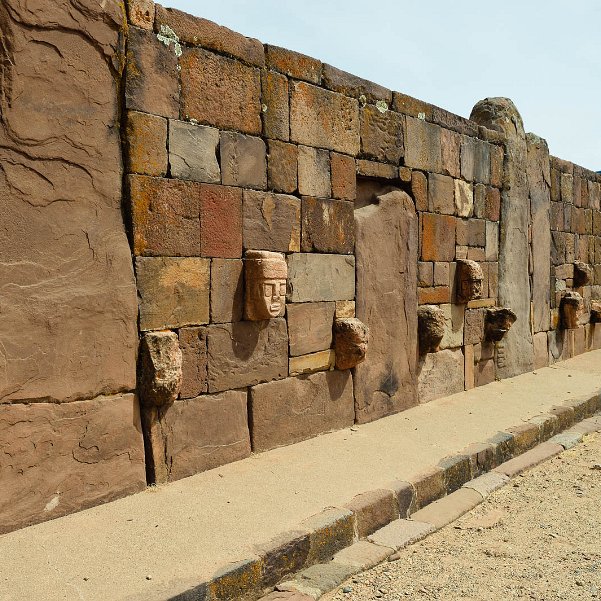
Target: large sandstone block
{"type": "Point", "coordinates": [324, 119]}
{"type": "Point", "coordinates": [300, 407]}
{"type": "Point", "coordinates": [282, 167]}
{"type": "Point", "coordinates": [327, 226]}
{"type": "Point", "coordinates": [220, 221]}
{"type": "Point", "coordinates": [227, 290]}
{"type": "Point", "coordinates": [344, 178]}
{"type": "Point", "coordinates": [441, 374]}
{"type": "Point", "coordinates": [310, 327]}
{"type": "Point", "coordinates": [193, 346]}
{"type": "Point", "coordinates": [386, 251]}
{"type": "Point", "coordinates": [382, 134]}
{"type": "Point", "coordinates": [61, 458]}
{"type": "Point", "coordinates": [438, 237]}
{"type": "Point", "coordinates": [293, 64]}
{"type": "Point", "coordinates": [146, 144]}
{"type": "Point", "coordinates": [313, 362]}
{"type": "Point", "coordinates": [199, 434]}
{"type": "Point", "coordinates": [276, 105]}
{"type": "Point", "coordinates": [193, 152]}
{"type": "Point", "coordinates": [67, 291]}
{"type": "Point", "coordinates": [314, 172]}
{"type": "Point", "coordinates": [246, 353]}
{"type": "Point", "coordinates": [221, 92]}
{"type": "Point", "coordinates": [423, 145]}
{"type": "Point", "coordinates": [243, 160]}
{"type": "Point", "coordinates": [314, 277]}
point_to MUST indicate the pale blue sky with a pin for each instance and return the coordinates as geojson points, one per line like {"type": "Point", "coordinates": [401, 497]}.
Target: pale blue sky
{"type": "Point", "coordinates": [543, 54]}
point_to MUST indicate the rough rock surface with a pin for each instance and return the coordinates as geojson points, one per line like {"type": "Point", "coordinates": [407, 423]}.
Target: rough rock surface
{"type": "Point", "coordinates": [317, 277]}
{"type": "Point", "coordinates": [351, 337]}
{"type": "Point", "coordinates": [440, 374]}
{"type": "Point", "coordinates": [68, 319]}
{"type": "Point", "coordinates": [310, 327]}
{"type": "Point", "coordinates": [431, 328]}
{"type": "Point", "coordinates": [386, 251]}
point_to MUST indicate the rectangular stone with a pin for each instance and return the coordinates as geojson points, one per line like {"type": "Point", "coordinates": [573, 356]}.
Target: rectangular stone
{"type": "Point", "coordinates": [541, 353]}
{"type": "Point", "coordinates": [454, 316]}
{"type": "Point", "coordinates": [487, 483]}
{"type": "Point", "coordinates": [227, 290]}
{"type": "Point", "coordinates": [310, 327]}
{"type": "Point", "coordinates": [492, 241]}
{"type": "Point", "coordinates": [450, 146]}
{"type": "Point", "coordinates": [423, 145]}
{"type": "Point", "coordinates": [411, 106]}
{"type": "Point", "coordinates": [173, 292]}
{"type": "Point", "coordinates": [243, 160]}
{"type": "Point", "coordinates": [193, 152]}
{"type": "Point", "coordinates": [419, 191]}
{"type": "Point", "coordinates": [314, 277]}
{"type": "Point", "coordinates": [464, 198]}
{"type": "Point", "coordinates": [346, 83]}
{"type": "Point", "coordinates": [314, 172]}
{"type": "Point", "coordinates": [400, 533]}
{"type": "Point", "coordinates": [441, 194]}
{"type": "Point", "coordinates": [311, 363]}
{"type": "Point", "coordinates": [362, 555]}
{"type": "Point", "coordinates": [434, 295]}
{"type": "Point", "coordinates": [438, 237]}
{"type": "Point", "coordinates": [382, 134]}
{"type": "Point", "coordinates": [373, 510]}
{"type": "Point", "coordinates": [146, 144]}
{"type": "Point", "coordinates": [330, 531]}
{"type": "Point", "coordinates": [220, 221]}
{"type": "Point", "coordinates": [468, 353]}
{"type": "Point", "coordinates": [276, 106]}
{"type": "Point", "coordinates": [344, 179]}
{"type": "Point", "coordinates": [271, 221]}
{"type": "Point", "coordinates": [474, 326]}
{"type": "Point", "coordinates": [345, 309]}
{"type": "Point", "coordinates": [529, 459]}
{"type": "Point", "coordinates": [246, 353]}
{"type": "Point", "coordinates": [140, 13]}
{"type": "Point", "coordinates": [324, 119]}
{"type": "Point", "coordinates": [377, 170]}
{"type": "Point", "coordinates": [327, 226]}
{"type": "Point", "coordinates": [441, 374]}
{"type": "Point", "coordinates": [282, 167]}
{"type": "Point", "coordinates": [60, 458]}
{"type": "Point", "coordinates": [193, 344]}
{"type": "Point", "coordinates": [447, 510]}
{"type": "Point", "coordinates": [298, 408]}
{"type": "Point", "coordinates": [293, 64]}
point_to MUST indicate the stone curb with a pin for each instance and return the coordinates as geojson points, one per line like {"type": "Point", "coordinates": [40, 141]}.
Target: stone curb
{"type": "Point", "coordinates": [432, 499]}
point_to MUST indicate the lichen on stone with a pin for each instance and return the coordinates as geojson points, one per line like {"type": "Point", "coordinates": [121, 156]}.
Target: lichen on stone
{"type": "Point", "coordinates": [382, 106]}
{"type": "Point", "coordinates": [168, 37]}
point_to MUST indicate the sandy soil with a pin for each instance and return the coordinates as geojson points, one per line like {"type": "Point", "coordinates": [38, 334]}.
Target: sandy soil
{"type": "Point", "coordinates": [537, 538]}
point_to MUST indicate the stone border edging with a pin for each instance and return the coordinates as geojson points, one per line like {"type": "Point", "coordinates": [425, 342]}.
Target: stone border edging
{"type": "Point", "coordinates": [432, 499]}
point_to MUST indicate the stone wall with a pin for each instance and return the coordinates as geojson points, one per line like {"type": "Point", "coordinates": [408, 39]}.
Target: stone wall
{"type": "Point", "coordinates": [385, 209]}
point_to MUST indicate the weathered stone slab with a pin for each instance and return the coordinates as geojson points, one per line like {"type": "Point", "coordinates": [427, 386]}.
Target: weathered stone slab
{"type": "Point", "coordinates": [68, 320]}
{"type": "Point", "coordinates": [243, 160]}
{"type": "Point", "coordinates": [382, 134]}
{"type": "Point", "coordinates": [227, 290]}
{"type": "Point", "coordinates": [282, 167]}
{"type": "Point", "coordinates": [220, 221]}
{"type": "Point", "coordinates": [327, 226]}
{"type": "Point", "coordinates": [146, 144]}
{"type": "Point", "coordinates": [314, 172]}
{"type": "Point", "coordinates": [297, 408]}
{"type": "Point", "coordinates": [314, 277]}
{"type": "Point", "coordinates": [310, 327]}
{"type": "Point", "coordinates": [276, 105]}
{"type": "Point", "coordinates": [193, 345]}
{"type": "Point", "coordinates": [438, 237]}
{"type": "Point", "coordinates": [440, 194]}
{"type": "Point", "coordinates": [344, 179]}
{"type": "Point", "coordinates": [441, 374]}
{"type": "Point", "coordinates": [193, 152]}
{"type": "Point", "coordinates": [195, 435]}
{"type": "Point", "coordinates": [61, 458]}
{"type": "Point", "coordinates": [271, 221]}
{"type": "Point", "coordinates": [517, 355]}
{"type": "Point", "coordinates": [423, 145]}
{"type": "Point", "coordinates": [386, 251]}
{"type": "Point", "coordinates": [293, 64]}
{"type": "Point", "coordinates": [246, 353]}
{"type": "Point", "coordinates": [311, 363]}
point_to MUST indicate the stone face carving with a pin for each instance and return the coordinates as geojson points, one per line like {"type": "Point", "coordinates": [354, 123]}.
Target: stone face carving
{"type": "Point", "coordinates": [430, 328]}
{"type": "Point", "coordinates": [571, 307]}
{"type": "Point", "coordinates": [265, 274]}
{"type": "Point", "coordinates": [596, 311]}
{"type": "Point", "coordinates": [160, 368]}
{"type": "Point", "coordinates": [351, 336]}
{"type": "Point", "coordinates": [469, 281]}
{"type": "Point", "coordinates": [498, 322]}
{"type": "Point", "coordinates": [583, 274]}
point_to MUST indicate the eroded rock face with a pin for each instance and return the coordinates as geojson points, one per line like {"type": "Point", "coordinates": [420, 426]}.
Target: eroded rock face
{"type": "Point", "coordinates": [596, 311]}
{"type": "Point", "coordinates": [160, 368]}
{"type": "Point", "coordinates": [497, 323]}
{"type": "Point", "coordinates": [583, 274]}
{"type": "Point", "coordinates": [351, 337]}
{"type": "Point", "coordinates": [430, 328]}
{"type": "Point", "coordinates": [571, 309]}
{"type": "Point", "coordinates": [469, 281]}
{"type": "Point", "coordinates": [265, 285]}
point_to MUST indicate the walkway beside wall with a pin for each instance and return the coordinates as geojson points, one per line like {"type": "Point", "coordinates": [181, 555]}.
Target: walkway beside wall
{"type": "Point", "coordinates": [168, 539]}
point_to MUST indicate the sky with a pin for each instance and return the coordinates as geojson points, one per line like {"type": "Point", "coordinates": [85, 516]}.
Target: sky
{"type": "Point", "coordinates": [543, 54]}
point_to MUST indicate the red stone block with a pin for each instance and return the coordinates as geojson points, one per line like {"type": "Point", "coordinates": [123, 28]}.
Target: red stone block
{"type": "Point", "coordinates": [438, 237]}
{"type": "Point", "coordinates": [220, 221]}
{"type": "Point", "coordinates": [294, 64]}
{"type": "Point", "coordinates": [344, 178]}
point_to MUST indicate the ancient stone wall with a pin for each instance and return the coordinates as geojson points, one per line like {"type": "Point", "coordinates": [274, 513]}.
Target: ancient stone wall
{"type": "Point", "coordinates": [283, 216]}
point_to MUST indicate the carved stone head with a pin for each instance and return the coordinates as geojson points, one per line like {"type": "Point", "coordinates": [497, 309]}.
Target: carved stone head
{"type": "Point", "coordinates": [265, 280]}
{"type": "Point", "coordinates": [498, 322]}
{"type": "Point", "coordinates": [571, 309]}
{"type": "Point", "coordinates": [350, 342]}
{"type": "Point", "coordinates": [430, 328]}
{"type": "Point", "coordinates": [159, 368]}
{"type": "Point", "coordinates": [596, 311]}
{"type": "Point", "coordinates": [470, 280]}
{"type": "Point", "coordinates": [583, 274]}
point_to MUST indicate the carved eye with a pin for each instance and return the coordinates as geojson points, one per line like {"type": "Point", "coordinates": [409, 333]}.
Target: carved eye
{"type": "Point", "coordinates": [283, 289]}
{"type": "Point", "coordinates": [268, 289]}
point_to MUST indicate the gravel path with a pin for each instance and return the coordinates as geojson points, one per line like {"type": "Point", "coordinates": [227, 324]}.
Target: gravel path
{"type": "Point", "coordinates": [539, 538]}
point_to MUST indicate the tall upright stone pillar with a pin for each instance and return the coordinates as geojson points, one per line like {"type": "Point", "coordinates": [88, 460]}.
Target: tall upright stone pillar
{"type": "Point", "coordinates": [386, 252]}
{"type": "Point", "coordinates": [515, 353]}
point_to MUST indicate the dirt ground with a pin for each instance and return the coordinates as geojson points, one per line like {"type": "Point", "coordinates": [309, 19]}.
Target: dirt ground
{"type": "Point", "coordinates": [539, 538]}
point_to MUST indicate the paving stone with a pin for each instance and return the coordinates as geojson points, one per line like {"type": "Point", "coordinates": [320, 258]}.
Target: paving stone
{"type": "Point", "coordinates": [193, 152]}
{"type": "Point", "coordinates": [566, 440]}
{"type": "Point", "coordinates": [404, 494]}
{"type": "Point", "coordinates": [302, 590]}
{"type": "Point", "coordinates": [219, 91]}
{"type": "Point", "coordinates": [487, 483]}
{"type": "Point", "coordinates": [457, 471]}
{"type": "Point", "coordinates": [227, 290]}
{"type": "Point", "coordinates": [326, 576]}
{"type": "Point", "coordinates": [220, 221]}
{"type": "Point", "coordinates": [362, 555]}
{"type": "Point", "coordinates": [193, 345]}
{"type": "Point", "coordinates": [327, 226]}
{"type": "Point", "coordinates": [440, 374]}
{"type": "Point", "coordinates": [438, 237]}
{"type": "Point", "coordinates": [173, 292]}
{"type": "Point", "coordinates": [146, 144]}
{"type": "Point", "coordinates": [310, 327]}
{"type": "Point", "coordinates": [588, 426]}
{"type": "Point", "coordinates": [382, 134]}
{"type": "Point", "coordinates": [423, 145]}
{"type": "Point", "coordinates": [287, 596]}
{"type": "Point", "coordinates": [373, 510]}
{"type": "Point", "coordinates": [525, 437]}
{"type": "Point", "coordinates": [271, 221]}
{"type": "Point", "coordinates": [429, 485]}
{"type": "Point", "coordinates": [276, 106]}
{"type": "Point", "coordinates": [529, 459]}
{"type": "Point", "coordinates": [240, 581]}
{"type": "Point", "coordinates": [312, 362]}
{"type": "Point", "coordinates": [293, 64]}
{"type": "Point", "coordinates": [246, 353]}
{"type": "Point", "coordinates": [440, 194]}
{"type": "Point", "coordinates": [344, 179]}
{"type": "Point", "coordinates": [243, 160]}
{"type": "Point", "coordinates": [401, 533]}
{"type": "Point", "coordinates": [324, 119]}
{"type": "Point", "coordinates": [282, 167]}
{"type": "Point", "coordinates": [283, 555]}
{"type": "Point", "coordinates": [330, 531]}
{"type": "Point", "coordinates": [314, 277]}
{"type": "Point", "coordinates": [447, 510]}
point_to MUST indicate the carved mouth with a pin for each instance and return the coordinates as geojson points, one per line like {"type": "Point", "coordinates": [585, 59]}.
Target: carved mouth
{"type": "Point", "coordinates": [275, 307]}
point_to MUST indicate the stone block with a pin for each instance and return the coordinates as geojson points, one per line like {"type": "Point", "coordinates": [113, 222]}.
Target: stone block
{"type": "Point", "coordinates": [404, 494]}
{"type": "Point", "coordinates": [141, 13]}
{"type": "Point", "coordinates": [425, 274]}
{"type": "Point", "coordinates": [221, 92]}
{"type": "Point", "coordinates": [297, 408]}
{"type": "Point", "coordinates": [220, 221]}
{"type": "Point", "coordinates": [345, 309]}
{"type": "Point", "coordinates": [454, 316]}
{"type": "Point", "coordinates": [447, 510]}
{"type": "Point", "coordinates": [493, 204]}
{"type": "Point", "coordinates": [482, 457]}
{"type": "Point", "coordinates": [282, 167]}
{"type": "Point", "coordinates": [457, 471]}
{"type": "Point", "coordinates": [442, 274]}
{"type": "Point", "coordinates": [151, 83]}
{"type": "Point", "coordinates": [440, 194]}
{"type": "Point", "coordinates": [373, 510]}
{"type": "Point", "coordinates": [504, 447]}
{"type": "Point", "coordinates": [243, 160]}
{"type": "Point", "coordinates": [283, 555]}
{"type": "Point", "coordinates": [330, 531]}
{"type": "Point", "coordinates": [525, 437]}
{"type": "Point", "coordinates": [324, 119]}
{"type": "Point", "coordinates": [146, 144]}
{"type": "Point", "coordinates": [468, 354]}
{"type": "Point", "coordinates": [310, 327]}
{"type": "Point", "coordinates": [567, 188]}
{"type": "Point", "coordinates": [293, 64]}
{"type": "Point", "coordinates": [276, 106]}
{"type": "Point", "coordinates": [327, 226]}
{"type": "Point", "coordinates": [449, 120]}
{"type": "Point", "coordinates": [193, 152]}
{"type": "Point", "coordinates": [492, 241]}
{"type": "Point", "coordinates": [434, 296]}
{"type": "Point", "coordinates": [193, 345]}
{"type": "Point", "coordinates": [531, 458]}
{"type": "Point", "coordinates": [312, 363]}
{"type": "Point", "coordinates": [314, 172]}
{"type": "Point", "coordinates": [450, 143]}
{"type": "Point", "coordinates": [247, 352]}
{"type": "Point", "coordinates": [320, 579]}
{"type": "Point", "coordinates": [480, 201]}
{"type": "Point", "coordinates": [196, 31]}
{"type": "Point", "coordinates": [313, 277]}
{"type": "Point", "coordinates": [240, 581]}
{"type": "Point", "coordinates": [541, 353]}
{"type": "Point", "coordinates": [429, 486]}
{"type": "Point", "coordinates": [413, 107]}
{"type": "Point", "coordinates": [423, 145]}
{"type": "Point", "coordinates": [440, 374]}
{"type": "Point", "coordinates": [350, 85]}
{"type": "Point", "coordinates": [419, 191]}
{"type": "Point", "coordinates": [487, 483]}
{"type": "Point", "coordinates": [344, 178]}
{"type": "Point", "coordinates": [438, 237]}
{"type": "Point", "coordinates": [227, 290]}
{"type": "Point", "coordinates": [482, 162]}
{"type": "Point", "coordinates": [165, 216]}
{"type": "Point", "coordinates": [61, 458]}
{"type": "Point", "coordinates": [474, 326]}
{"type": "Point", "coordinates": [159, 368]}
{"type": "Point", "coordinates": [468, 158]}
{"type": "Point", "coordinates": [362, 555]}
{"type": "Point", "coordinates": [382, 134]}
{"type": "Point", "coordinates": [377, 170]}
{"type": "Point", "coordinates": [173, 292]}
{"type": "Point", "coordinates": [496, 165]}
{"type": "Point", "coordinates": [271, 221]}
{"type": "Point", "coordinates": [401, 533]}
{"type": "Point", "coordinates": [464, 198]}
{"type": "Point", "coordinates": [485, 372]}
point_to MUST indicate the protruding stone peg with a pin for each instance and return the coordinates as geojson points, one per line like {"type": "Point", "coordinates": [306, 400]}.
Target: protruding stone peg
{"type": "Point", "coordinates": [470, 280]}
{"type": "Point", "coordinates": [498, 322]}
{"type": "Point", "coordinates": [160, 366]}
{"type": "Point", "coordinates": [571, 308]}
{"type": "Point", "coordinates": [583, 274]}
{"type": "Point", "coordinates": [351, 336]}
{"type": "Point", "coordinates": [430, 328]}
